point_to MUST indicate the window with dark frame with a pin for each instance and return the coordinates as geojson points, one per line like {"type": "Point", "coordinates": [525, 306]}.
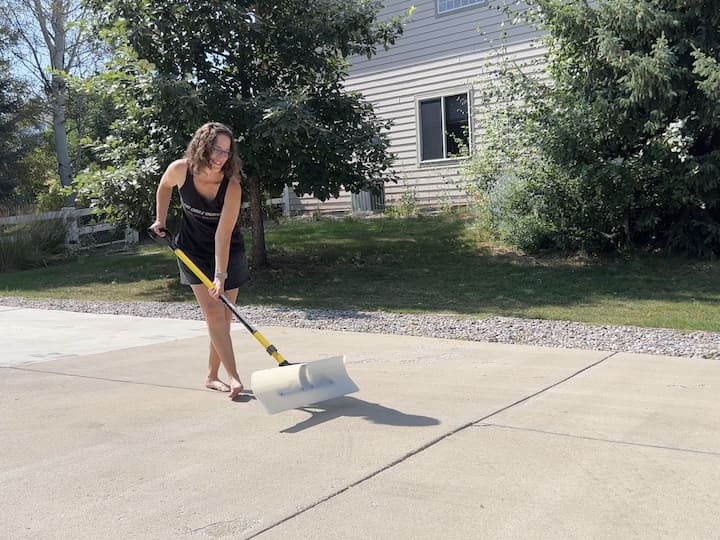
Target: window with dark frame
{"type": "Point", "coordinates": [444, 126]}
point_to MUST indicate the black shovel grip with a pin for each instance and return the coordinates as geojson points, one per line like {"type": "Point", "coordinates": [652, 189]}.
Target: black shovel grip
{"type": "Point", "coordinates": [166, 240]}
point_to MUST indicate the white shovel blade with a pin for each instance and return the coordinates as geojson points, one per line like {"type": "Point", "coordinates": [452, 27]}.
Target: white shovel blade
{"type": "Point", "coordinates": [298, 385]}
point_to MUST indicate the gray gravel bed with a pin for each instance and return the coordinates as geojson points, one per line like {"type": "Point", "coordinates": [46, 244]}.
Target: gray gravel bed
{"type": "Point", "coordinates": [510, 330]}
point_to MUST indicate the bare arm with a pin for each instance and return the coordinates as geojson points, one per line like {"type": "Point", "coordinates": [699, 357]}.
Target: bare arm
{"type": "Point", "coordinates": [174, 176]}
{"type": "Point", "coordinates": [223, 235]}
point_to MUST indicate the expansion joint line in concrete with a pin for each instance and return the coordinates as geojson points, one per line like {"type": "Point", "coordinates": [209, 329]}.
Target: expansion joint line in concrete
{"type": "Point", "coordinates": [422, 448]}
{"type": "Point", "coordinates": [104, 379]}
{"type": "Point", "coordinates": [600, 439]}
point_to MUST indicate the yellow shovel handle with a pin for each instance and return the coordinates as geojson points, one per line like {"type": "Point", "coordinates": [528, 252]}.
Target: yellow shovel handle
{"type": "Point", "coordinates": [193, 267]}
{"type": "Point", "coordinates": [269, 347]}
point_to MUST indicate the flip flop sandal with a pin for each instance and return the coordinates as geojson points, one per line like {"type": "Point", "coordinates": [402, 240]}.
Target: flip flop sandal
{"type": "Point", "coordinates": [218, 386]}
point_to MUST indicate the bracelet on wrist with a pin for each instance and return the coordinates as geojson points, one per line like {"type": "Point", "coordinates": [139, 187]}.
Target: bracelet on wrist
{"type": "Point", "coordinates": [221, 275]}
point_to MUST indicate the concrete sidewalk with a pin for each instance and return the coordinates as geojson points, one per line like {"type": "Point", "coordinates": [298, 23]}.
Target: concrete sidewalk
{"type": "Point", "coordinates": [107, 432]}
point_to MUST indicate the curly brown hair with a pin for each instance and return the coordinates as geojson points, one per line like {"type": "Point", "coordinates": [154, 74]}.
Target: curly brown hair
{"type": "Point", "coordinates": [200, 147]}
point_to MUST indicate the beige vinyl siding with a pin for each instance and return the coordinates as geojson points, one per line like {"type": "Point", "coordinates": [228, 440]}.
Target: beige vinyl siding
{"type": "Point", "coordinates": [429, 36]}
{"type": "Point", "coordinates": [438, 55]}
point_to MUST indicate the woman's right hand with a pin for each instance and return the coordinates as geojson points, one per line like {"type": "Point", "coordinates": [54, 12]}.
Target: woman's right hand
{"type": "Point", "coordinates": [158, 228]}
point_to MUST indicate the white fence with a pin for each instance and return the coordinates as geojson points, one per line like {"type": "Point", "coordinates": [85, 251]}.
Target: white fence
{"type": "Point", "coordinates": [81, 231]}
{"type": "Point", "coordinates": [86, 230]}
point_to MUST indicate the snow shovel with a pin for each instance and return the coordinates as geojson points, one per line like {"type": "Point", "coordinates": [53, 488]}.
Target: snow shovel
{"type": "Point", "coordinates": [296, 384]}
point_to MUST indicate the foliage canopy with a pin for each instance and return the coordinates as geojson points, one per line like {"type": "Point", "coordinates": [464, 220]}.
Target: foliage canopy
{"type": "Point", "coordinates": [272, 71]}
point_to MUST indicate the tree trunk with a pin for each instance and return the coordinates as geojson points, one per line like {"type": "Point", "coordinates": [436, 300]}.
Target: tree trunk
{"type": "Point", "coordinates": [58, 97]}
{"type": "Point", "coordinates": [55, 39]}
{"type": "Point", "coordinates": [259, 252]}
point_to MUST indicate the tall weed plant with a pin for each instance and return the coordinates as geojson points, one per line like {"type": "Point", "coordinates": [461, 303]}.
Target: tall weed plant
{"type": "Point", "coordinates": [406, 206]}
{"type": "Point", "coordinates": [522, 197]}
{"type": "Point", "coordinates": [31, 245]}
{"type": "Point", "coordinates": [537, 170]}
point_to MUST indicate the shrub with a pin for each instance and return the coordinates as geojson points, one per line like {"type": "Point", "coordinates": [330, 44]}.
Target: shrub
{"type": "Point", "coordinates": [31, 245]}
{"type": "Point", "coordinates": [618, 146]}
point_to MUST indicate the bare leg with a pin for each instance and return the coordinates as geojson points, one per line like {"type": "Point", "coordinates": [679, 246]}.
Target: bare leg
{"type": "Point", "coordinates": [213, 379]}
{"type": "Point", "coordinates": [218, 318]}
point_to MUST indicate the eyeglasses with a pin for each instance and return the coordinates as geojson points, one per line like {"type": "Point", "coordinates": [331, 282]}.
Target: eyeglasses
{"type": "Point", "coordinates": [220, 152]}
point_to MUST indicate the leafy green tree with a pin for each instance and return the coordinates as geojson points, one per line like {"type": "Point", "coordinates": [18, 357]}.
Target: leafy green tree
{"type": "Point", "coordinates": [89, 117]}
{"type": "Point", "coordinates": [273, 71]}
{"type": "Point", "coordinates": [39, 183]}
{"type": "Point", "coordinates": [52, 43]}
{"type": "Point", "coordinates": [620, 146]}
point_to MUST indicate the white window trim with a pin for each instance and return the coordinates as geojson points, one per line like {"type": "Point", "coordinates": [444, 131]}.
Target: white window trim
{"type": "Point", "coordinates": [458, 9]}
{"type": "Point", "coordinates": [442, 95]}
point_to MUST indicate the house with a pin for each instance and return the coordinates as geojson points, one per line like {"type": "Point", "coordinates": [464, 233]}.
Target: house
{"type": "Point", "coordinates": [426, 84]}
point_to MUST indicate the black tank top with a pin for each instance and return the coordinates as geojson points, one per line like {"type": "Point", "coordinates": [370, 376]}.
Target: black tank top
{"type": "Point", "coordinates": [200, 220]}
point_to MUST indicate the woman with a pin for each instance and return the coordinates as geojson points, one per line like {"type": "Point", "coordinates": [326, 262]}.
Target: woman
{"type": "Point", "coordinates": [208, 180]}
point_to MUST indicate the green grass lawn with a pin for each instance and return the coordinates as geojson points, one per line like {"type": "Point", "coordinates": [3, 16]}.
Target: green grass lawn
{"type": "Point", "coordinates": [425, 265]}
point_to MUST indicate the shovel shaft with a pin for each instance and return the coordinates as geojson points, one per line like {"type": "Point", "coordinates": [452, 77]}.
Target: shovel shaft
{"type": "Point", "coordinates": [193, 267]}
{"type": "Point", "coordinates": [269, 347]}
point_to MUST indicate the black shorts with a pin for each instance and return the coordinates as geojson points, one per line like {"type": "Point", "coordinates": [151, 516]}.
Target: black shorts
{"type": "Point", "coordinates": [238, 270]}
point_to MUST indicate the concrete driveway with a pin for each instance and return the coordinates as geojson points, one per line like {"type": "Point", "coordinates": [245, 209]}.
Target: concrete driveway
{"type": "Point", "coordinates": [107, 432]}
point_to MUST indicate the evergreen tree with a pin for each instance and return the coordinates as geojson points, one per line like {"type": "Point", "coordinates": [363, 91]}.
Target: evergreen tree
{"type": "Point", "coordinates": [623, 141]}
{"type": "Point", "coordinates": [16, 137]}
